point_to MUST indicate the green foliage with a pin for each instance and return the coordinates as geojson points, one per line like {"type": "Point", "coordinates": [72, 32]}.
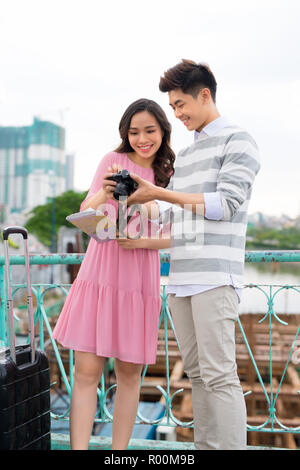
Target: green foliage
{"type": "Point", "coordinates": [40, 222]}
{"type": "Point", "coordinates": [266, 238]}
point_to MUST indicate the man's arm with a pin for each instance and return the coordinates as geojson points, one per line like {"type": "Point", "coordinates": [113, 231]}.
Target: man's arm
{"type": "Point", "coordinates": [194, 201]}
{"type": "Point", "coordinates": [237, 174]}
{"type": "Point", "coordinates": [148, 192]}
{"type": "Point", "coordinates": [235, 180]}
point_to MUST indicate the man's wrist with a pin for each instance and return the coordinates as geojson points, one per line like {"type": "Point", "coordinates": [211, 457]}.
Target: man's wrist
{"type": "Point", "coordinates": [182, 199]}
{"type": "Point", "coordinates": [162, 194]}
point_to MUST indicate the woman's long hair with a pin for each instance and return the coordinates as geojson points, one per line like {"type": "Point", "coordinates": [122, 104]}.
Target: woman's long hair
{"type": "Point", "coordinates": [163, 164]}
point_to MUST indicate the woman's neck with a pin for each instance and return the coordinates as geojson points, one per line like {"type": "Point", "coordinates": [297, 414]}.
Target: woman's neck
{"type": "Point", "coordinates": [144, 163]}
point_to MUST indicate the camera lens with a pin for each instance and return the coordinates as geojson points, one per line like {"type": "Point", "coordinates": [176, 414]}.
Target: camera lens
{"type": "Point", "coordinates": [121, 190]}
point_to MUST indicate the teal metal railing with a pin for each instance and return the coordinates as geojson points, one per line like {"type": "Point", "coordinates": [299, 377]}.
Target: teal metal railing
{"type": "Point", "coordinates": [41, 316]}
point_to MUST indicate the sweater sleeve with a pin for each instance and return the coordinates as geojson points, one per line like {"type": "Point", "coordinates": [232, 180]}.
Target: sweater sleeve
{"type": "Point", "coordinates": [240, 166]}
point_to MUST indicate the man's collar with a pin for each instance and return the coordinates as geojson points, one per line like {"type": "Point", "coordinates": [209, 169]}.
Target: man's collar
{"type": "Point", "coordinates": [213, 127]}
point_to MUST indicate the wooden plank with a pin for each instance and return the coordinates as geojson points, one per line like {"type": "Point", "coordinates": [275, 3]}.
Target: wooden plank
{"type": "Point", "coordinates": [293, 376]}
{"type": "Point", "coordinates": [261, 419]}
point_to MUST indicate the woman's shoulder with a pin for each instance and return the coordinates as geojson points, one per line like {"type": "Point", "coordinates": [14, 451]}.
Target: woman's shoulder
{"type": "Point", "coordinates": [112, 157]}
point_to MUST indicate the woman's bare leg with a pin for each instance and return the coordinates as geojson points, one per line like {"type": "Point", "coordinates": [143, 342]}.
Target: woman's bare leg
{"type": "Point", "coordinates": [88, 371]}
{"type": "Point", "coordinates": [126, 402]}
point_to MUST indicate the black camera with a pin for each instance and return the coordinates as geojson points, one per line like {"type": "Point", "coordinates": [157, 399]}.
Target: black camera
{"type": "Point", "coordinates": [125, 184]}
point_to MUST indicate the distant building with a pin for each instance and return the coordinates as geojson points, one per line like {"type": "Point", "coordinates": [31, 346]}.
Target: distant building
{"type": "Point", "coordinates": [69, 172]}
{"type": "Point", "coordinates": [32, 165]}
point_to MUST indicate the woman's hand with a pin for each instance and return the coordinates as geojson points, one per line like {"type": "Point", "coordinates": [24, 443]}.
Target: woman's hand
{"type": "Point", "coordinates": [129, 244]}
{"type": "Point", "coordinates": [145, 243]}
{"type": "Point", "coordinates": [108, 186]}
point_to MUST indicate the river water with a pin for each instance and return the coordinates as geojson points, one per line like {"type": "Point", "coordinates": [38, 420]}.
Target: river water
{"type": "Point", "coordinates": [254, 299]}
{"type": "Point", "coordinates": [286, 301]}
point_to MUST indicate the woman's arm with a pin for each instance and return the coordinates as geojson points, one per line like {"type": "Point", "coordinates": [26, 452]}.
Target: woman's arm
{"type": "Point", "coordinates": [150, 243]}
{"type": "Point", "coordinates": [95, 201]}
{"type": "Point", "coordinates": [105, 193]}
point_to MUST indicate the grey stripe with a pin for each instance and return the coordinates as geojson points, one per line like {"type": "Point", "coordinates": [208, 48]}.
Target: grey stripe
{"type": "Point", "coordinates": [177, 242]}
{"type": "Point", "coordinates": [243, 159]}
{"type": "Point", "coordinates": [204, 144]}
{"type": "Point", "coordinates": [208, 187]}
{"type": "Point", "coordinates": [243, 136]}
{"type": "Point", "coordinates": [202, 165]}
{"type": "Point", "coordinates": [235, 241]}
{"type": "Point", "coordinates": [241, 217]}
{"type": "Point", "coordinates": [234, 180]}
{"type": "Point", "coordinates": [202, 265]}
{"type": "Point", "coordinates": [236, 196]}
{"type": "Point", "coordinates": [234, 191]}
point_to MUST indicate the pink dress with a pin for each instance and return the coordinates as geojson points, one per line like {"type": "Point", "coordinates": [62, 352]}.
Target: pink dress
{"type": "Point", "coordinates": [113, 306]}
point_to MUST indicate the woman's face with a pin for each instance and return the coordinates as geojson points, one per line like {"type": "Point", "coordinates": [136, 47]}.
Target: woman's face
{"type": "Point", "coordinates": [145, 136]}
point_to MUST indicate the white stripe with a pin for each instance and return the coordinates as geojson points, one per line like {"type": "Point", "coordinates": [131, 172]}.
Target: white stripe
{"type": "Point", "coordinates": [221, 227]}
{"type": "Point", "coordinates": [192, 251]}
{"type": "Point", "coordinates": [196, 154]}
{"type": "Point", "coordinates": [233, 189]}
{"type": "Point", "coordinates": [224, 227]}
{"type": "Point", "coordinates": [238, 171]}
{"type": "Point", "coordinates": [204, 278]}
{"type": "Point", "coordinates": [207, 176]}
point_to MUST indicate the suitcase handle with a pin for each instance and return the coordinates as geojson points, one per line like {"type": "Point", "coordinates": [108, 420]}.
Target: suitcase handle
{"type": "Point", "coordinates": [9, 302]}
{"type": "Point", "coordinates": [14, 229]}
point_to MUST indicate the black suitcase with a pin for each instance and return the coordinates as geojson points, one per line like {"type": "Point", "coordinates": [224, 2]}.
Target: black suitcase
{"type": "Point", "coordinates": [24, 377]}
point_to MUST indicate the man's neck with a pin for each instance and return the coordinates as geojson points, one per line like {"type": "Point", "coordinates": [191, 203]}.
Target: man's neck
{"type": "Point", "coordinates": [214, 114]}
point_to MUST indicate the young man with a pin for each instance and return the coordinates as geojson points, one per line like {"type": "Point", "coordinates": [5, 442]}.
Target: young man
{"type": "Point", "coordinates": [212, 183]}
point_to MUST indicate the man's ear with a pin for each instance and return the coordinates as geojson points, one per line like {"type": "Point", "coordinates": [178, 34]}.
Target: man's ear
{"type": "Point", "coordinates": [204, 95]}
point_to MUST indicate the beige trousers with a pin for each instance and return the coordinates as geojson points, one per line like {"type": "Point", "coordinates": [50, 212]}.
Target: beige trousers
{"type": "Point", "coordinates": [205, 329]}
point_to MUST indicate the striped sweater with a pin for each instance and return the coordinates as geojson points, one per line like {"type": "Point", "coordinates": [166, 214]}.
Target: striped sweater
{"type": "Point", "coordinates": [210, 252]}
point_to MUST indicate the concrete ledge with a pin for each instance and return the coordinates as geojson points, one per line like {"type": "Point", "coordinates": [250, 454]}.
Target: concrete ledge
{"type": "Point", "coordinates": [62, 442]}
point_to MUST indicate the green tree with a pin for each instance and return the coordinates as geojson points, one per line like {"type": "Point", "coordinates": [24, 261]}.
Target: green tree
{"type": "Point", "coordinates": [40, 221]}
{"type": "Point", "coordinates": [266, 238]}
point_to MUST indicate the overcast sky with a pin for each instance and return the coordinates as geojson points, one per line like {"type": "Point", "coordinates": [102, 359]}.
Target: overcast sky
{"type": "Point", "coordinates": [81, 63]}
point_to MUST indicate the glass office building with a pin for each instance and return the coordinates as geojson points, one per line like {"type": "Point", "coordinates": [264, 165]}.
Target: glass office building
{"type": "Point", "coordinates": [32, 164]}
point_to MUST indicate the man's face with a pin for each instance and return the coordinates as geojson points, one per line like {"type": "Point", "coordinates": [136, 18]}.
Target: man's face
{"type": "Point", "coordinates": [191, 111]}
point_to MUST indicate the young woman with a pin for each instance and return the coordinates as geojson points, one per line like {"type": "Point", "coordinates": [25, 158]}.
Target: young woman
{"type": "Point", "coordinates": [113, 306]}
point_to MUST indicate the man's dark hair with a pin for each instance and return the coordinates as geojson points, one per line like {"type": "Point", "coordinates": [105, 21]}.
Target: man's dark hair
{"type": "Point", "coordinates": [190, 78]}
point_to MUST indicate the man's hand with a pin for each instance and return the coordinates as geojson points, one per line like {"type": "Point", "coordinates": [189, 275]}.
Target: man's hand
{"type": "Point", "coordinates": [145, 192]}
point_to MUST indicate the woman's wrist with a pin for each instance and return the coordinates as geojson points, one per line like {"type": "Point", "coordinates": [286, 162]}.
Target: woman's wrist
{"type": "Point", "coordinates": [95, 201]}
{"type": "Point", "coordinates": [140, 243]}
